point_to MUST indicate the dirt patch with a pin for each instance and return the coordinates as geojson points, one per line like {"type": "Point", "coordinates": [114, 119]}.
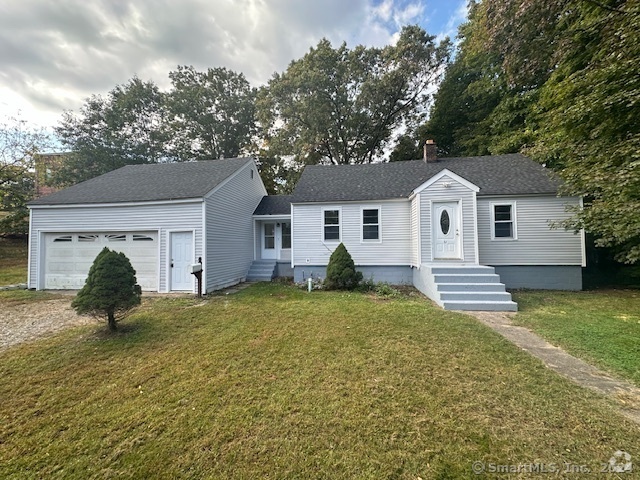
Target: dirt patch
{"type": "Point", "coordinates": [28, 321]}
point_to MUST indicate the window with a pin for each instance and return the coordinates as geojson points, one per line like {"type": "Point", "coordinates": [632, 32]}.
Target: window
{"type": "Point", "coordinates": [87, 238]}
{"type": "Point", "coordinates": [119, 237]}
{"type": "Point", "coordinates": [286, 235]}
{"type": "Point", "coordinates": [269, 236]}
{"type": "Point", "coordinates": [142, 238]}
{"type": "Point", "coordinates": [504, 221]}
{"type": "Point", "coordinates": [63, 238]}
{"type": "Point", "coordinates": [331, 225]}
{"type": "Point", "coordinates": [370, 224]}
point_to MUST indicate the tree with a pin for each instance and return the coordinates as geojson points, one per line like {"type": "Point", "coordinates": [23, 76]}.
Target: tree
{"type": "Point", "coordinates": [557, 80]}
{"type": "Point", "coordinates": [124, 128]}
{"type": "Point", "coordinates": [342, 106]}
{"type": "Point", "coordinates": [212, 113]}
{"type": "Point", "coordinates": [19, 142]}
{"type": "Point", "coordinates": [341, 271]}
{"type": "Point", "coordinates": [589, 129]}
{"type": "Point", "coordinates": [406, 149]}
{"type": "Point", "coordinates": [111, 289]}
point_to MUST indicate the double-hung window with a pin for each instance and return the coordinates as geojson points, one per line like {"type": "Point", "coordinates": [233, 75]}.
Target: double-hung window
{"type": "Point", "coordinates": [331, 225]}
{"type": "Point", "coordinates": [371, 224]}
{"type": "Point", "coordinates": [503, 216]}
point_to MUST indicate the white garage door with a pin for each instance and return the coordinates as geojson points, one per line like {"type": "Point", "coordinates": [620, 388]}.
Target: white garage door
{"type": "Point", "coordinates": [68, 257]}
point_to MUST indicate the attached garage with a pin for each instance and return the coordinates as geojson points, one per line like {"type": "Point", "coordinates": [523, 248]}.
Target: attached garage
{"type": "Point", "coordinates": [163, 217]}
{"type": "Point", "coordinates": [68, 256]}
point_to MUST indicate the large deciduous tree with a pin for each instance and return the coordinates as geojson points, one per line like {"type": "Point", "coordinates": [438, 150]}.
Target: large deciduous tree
{"type": "Point", "coordinates": [556, 79]}
{"type": "Point", "coordinates": [124, 128]}
{"type": "Point", "coordinates": [342, 105]}
{"type": "Point", "coordinates": [19, 142]}
{"type": "Point", "coordinates": [212, 113]}
{"type": "Point", "coordinates": [590, 123]}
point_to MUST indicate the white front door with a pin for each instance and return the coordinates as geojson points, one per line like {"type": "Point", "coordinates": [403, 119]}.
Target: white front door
{"type": "Point", "coordinates": [446, 231]}
{"type": "Point", "coordinates": [269, 240]}
{"type": "Point", "coordinates": [180, 261]}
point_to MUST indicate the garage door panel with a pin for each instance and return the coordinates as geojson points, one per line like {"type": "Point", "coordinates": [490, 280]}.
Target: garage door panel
{"type": "Point", "coordinates": [69, 256]}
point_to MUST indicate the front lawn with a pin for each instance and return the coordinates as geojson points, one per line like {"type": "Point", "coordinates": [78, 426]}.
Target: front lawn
{"type": "Point", "coordinates": [13, 261]}
{"type": "Point", "coordinates": [602, 327]}
{"type": "Point", "coordinates": [273, 382]}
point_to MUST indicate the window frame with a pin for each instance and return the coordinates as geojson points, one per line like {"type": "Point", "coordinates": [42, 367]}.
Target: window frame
{"type": "Point", "coordinates": [323, 225]}
{"type": "Point", "coordinates": [283, 235]}
{"type": "Point", "coordinates": [513, 221]}
{"type": "Point", "coordinates": [362, 224]}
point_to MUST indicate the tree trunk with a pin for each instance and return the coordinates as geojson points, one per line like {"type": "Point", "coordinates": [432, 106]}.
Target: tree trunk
{"type": "Point", "coordinates": [112, 321]}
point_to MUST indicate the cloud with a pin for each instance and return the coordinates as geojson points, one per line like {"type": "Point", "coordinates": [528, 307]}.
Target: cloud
{"type": "Point", "coordinates": [56, 53]}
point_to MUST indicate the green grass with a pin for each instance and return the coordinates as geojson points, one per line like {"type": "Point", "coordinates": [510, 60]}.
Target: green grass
{"type": "Point", "coordinates": [274, 382]}
{"type": "Point", "coordinates": [13, 261]}
{"type": "Point", "coordinates": [601, 327]}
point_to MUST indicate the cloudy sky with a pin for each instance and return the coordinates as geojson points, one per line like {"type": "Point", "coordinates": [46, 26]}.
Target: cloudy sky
{"type": "Point", "coordinates": [56, 53]}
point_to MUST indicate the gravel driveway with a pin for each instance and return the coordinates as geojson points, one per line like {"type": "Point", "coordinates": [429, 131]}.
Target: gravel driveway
{"type": "Point", "coordinates": [20, 323]}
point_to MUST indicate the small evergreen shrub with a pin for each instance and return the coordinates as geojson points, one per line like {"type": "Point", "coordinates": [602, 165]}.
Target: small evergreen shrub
{"type": "Point", "coordinates": [111, 289]}
{"type": "Point", "coordinates": [341, 271]}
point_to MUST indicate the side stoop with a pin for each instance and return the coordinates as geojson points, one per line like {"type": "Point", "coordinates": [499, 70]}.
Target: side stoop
{"type": "Point", "coordinates": [471, 288]}
{"type": "Point", "coordinates": [262, 271]}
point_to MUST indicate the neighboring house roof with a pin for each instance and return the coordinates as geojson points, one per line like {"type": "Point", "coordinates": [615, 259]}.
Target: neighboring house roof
{"type": "Point", "coordinates": [512, 174]}
{"type": "Point", "coordinates": [274, 205]}
{"type": "Point", "coordinates": [143, 183]}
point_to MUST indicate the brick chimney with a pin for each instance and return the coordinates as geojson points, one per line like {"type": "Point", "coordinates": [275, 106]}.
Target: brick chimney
{"type": "Point", "coordinates": [430, 151]}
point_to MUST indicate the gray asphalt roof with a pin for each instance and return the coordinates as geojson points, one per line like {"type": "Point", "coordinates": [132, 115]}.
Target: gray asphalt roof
{"type": "Point", "coordinates": [274, 205]}
{"type": "Point", "coordinates": [512, 174]}
{"type": "Point", "coordinates": [140, 183]}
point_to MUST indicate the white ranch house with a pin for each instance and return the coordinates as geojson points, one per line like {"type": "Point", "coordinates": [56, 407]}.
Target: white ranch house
{"type": "Point", "coordinates": [461, 230]}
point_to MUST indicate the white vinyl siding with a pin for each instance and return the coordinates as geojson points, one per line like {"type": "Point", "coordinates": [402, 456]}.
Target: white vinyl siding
{"type": "Point", "coordinates": [118, 219]}
{"type": "Point", "coordinates": [230, 236]}
{"type": "Point", "coordinates": [537, 243]}
{"type": "Point", "coordinates": [394, 249]}
{"type": "Point", "coordinates": [415, 231]}
{"type": "Point", "coordinates": [456, 192]}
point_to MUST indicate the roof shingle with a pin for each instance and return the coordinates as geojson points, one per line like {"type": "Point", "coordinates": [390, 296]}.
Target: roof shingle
{"type": "Point", "coordinates": [274, 205]}
{"type": "Point", "coordinates": [143, 183]}
{"type": "Point", "coordinates": [511, 174]}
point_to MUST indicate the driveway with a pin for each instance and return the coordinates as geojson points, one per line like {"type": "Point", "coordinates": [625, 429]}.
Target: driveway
{"type": "Point", "coordinates": [31, 320]}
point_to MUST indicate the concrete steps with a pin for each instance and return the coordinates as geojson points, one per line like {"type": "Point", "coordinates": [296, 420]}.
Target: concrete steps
{"type": "Point", "coordinates": [471, 288]}
{"type": "Point", "coordinates": [261, 271]}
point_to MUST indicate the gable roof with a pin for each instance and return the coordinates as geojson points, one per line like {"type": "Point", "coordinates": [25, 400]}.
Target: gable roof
{"type": "Point", "coordinates": [274, 205]}
{"type": "Point", "coordinates": [144, 183]}
{"type": "Point", "coordinates": [511, 174]}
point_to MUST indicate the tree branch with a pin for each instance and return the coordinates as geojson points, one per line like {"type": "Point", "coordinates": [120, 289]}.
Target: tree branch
{"type": "Point", "coordinates": [606, 7]}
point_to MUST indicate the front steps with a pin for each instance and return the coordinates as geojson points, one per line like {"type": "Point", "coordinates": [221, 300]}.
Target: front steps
{"type": "Point", "coordinates": [471, 288]}
{"type": "Point", "coordinates": [262, 271]}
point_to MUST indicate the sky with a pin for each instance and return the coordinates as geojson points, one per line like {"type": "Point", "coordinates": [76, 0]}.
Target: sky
{"type": "Point", "coordinates": [54, 54]}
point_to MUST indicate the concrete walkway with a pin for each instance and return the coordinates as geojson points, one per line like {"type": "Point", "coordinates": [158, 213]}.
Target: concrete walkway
{"type": "Point", "coordinates": [626, 395]}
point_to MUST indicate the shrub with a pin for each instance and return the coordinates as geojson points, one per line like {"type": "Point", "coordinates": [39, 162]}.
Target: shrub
{"type": "Point", "coordinates": [341, 271]}
{"type": "Point", "coordinates": [111, 289]}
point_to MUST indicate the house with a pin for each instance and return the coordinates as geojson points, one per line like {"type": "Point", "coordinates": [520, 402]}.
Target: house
{"type": "Point", "coordinates": [164, 217]}
{"type": "Point", "coordinates": [459, 229]}
{"type": "Point", "coordinates": [46, 164]}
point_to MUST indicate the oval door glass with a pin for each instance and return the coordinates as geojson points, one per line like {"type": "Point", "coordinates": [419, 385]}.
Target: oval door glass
{"type": "Point", "coordinates": [445, 222]}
